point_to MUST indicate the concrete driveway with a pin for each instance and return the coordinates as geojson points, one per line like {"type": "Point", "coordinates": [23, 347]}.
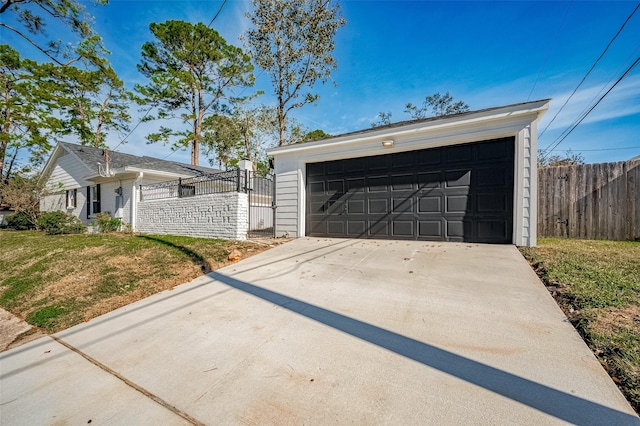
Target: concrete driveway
{"type": "Point", "coordinates": [321, 331]}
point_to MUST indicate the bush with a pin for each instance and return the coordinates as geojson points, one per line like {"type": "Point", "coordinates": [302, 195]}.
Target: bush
{"type": "Point", "coordinates": [106, 223]}
{"type": "Point", "coordinates": [20, 221]}
{"type": "Point", "coordinates": [55, 223]}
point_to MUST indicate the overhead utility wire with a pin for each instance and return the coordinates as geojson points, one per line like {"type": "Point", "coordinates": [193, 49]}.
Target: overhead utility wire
{"type": "Point", "coordinates": [590, 69]}
{"type": "Point", "coordinates": [150, 108]}
{"type": "Point", "coordinates": [572, 128]}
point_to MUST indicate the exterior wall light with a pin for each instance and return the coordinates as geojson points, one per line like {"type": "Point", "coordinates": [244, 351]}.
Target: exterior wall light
{"type": "Point", "coordinates": [388, 143]}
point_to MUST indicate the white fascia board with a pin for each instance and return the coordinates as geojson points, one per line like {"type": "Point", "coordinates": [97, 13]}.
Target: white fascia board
{"type": "Point", "coordinates": [127, 172]}
{"type": "Point", "coordinates": [510, 117]}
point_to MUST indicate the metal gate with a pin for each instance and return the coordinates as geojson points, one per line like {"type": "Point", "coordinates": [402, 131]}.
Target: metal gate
{"type": "Point", "coordinates": [262, 205]}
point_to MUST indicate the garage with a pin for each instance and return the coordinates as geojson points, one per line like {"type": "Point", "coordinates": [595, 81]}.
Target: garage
{"type": "Point", "coordinates": [455, 193]}
{"type": "Point", "coordinates": [467, 177]}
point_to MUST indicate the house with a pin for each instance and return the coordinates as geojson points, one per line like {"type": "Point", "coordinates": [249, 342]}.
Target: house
{"type": "Point", "coordinates": [81, 182]}
{"type": "Point", "coordinates": [466, 177]}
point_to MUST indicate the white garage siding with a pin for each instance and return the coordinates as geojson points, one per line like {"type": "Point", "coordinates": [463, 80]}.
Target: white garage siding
{"type": "Point", "coordinates": [518, 121]}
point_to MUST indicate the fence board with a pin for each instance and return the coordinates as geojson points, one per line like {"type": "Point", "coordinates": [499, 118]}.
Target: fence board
{"type": "Point", "coordinates": [590, 201]}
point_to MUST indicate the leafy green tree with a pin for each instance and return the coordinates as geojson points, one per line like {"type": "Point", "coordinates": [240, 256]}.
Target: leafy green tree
{"type": "Point", "coordinates": [32, 17]}
{"type": "Point", "coordinates": [293, 41]}
{"type": "Point", "coordinates": [26, 108]}
{"type": "Point", "coordinates": [91, 103]}
{"type": "Point", "coordinates": [436, 105]}
{"type": "Point", "coordinates": [315, 135]}
{"type": "Point", "coordinates": [191, 71]}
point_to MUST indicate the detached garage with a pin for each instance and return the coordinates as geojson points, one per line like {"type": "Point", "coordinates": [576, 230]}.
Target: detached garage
{"type": "Point", "coordinates": [467, 177]}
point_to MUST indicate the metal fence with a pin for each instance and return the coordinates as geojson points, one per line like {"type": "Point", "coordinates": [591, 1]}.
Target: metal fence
{"type": "Point", "coordinates": [260, 191]}
{"type": "Point", "coordinates": [201, 185]}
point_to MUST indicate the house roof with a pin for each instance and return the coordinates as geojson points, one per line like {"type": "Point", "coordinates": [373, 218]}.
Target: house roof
{"type": "Point", "coordinates": [390, 130]}
{"type": "Point", "coordinates": [92, 157]}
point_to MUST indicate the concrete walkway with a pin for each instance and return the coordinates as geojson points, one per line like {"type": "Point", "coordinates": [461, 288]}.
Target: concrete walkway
{"type": "Point", "coordinates": [321, 331]}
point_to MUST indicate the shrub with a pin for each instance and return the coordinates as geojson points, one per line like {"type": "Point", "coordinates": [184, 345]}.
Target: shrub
{"type": "Point", "coordinates": [20, 221]}
{"type": "Point", "coordinates": [106, 223]}
{"type": "Point", "coordinates": [55, 223]}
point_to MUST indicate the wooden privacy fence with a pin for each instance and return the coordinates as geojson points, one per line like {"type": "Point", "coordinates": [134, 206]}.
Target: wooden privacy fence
{"type": "Point", "coordinates": [590, 201]}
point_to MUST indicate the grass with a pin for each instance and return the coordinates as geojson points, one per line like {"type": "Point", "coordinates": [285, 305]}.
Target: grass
{"type": "Point", "coordinates": [597, 284]}
{"type": "Point", "coordinates": [57, 281]}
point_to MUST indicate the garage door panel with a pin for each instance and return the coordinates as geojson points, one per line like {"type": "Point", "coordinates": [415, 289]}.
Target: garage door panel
{"type": "Point", "coordinates": [458, 178]}
{"type": "Point", "coordinates": [454, 193]}
{"type": "Point", "coordinates": [379, 162]}
{"type": "Point", "coordinates": [459, 154]}
{"type": "Point", "coordinates": [379, 228]}
{"type": "Point", "coordinates": [402, 161]}
{"type": "Point", "coordinates": [335, 186]}
{"type": "Point", "coordinates": [430, 204]}
{"type": "Point", "coordinates": [335, 227]}
{"type": "Point", "coordinates": [356, 228]}
{"type": "Point", "coordinates": [493, 202]}
{"type": "Point", "coordinates": [378, 184]}
{"type": "Point", "coordinates": [429, 180]}
{"type": "Point", "coordinates": [317, 187]}
{"type": "Point", "coordinates": [429, 157]}
{"type": "Point", "coordinates": [356, 207]}
{"type": "Point", "coordinates": [335, 167]}
{"type": "Point", "coordinates": [402, 182]}
{"type": "Point", "coordinates": [401, 205]}
{"type": "Point", "coordinates": [493, 152]}
{"type": "Point", "coordinates": [316, 207]}
{"type": "Point", "coordinates": [378, 206]}
{"type": "Point", "coordinates": [402, 228]}
{"type": "Point", "coordinates": [355, 185]}
{"type": "Point", "coordinates": [431, 229]}
{"type": "Point", "coordinates": [495, 229]}
{"type": "Point", "coordinates": [457, 203]}
{"type": "Point", "coordinates": [489, 177]}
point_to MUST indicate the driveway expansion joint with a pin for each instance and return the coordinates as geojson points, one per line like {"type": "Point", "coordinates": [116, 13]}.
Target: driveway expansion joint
{"type": "Point", "coordinates": [131, 384]}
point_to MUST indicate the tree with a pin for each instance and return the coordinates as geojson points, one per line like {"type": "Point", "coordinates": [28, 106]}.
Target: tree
{"type": "Point", "coordinates": [23, 192]}
{"type": "Point", "coordinates": [315, 135]}
{"type": "Point", "coordinates": [384, 118]}
{"type": "Point", "coordinates": [91, 103]}
{"type": "Point", "coordinates": [191, 71]}
{"type": "Point", "coordinates": [438, 105]}
{"type": "Point", "coordinates": [27, 109]}
{"type": "Point", "coordinates": [292, 40]}
{"type": "Point", "coordinates": [569, 159]}
{"type": "Point", "coordinates": [32, 17]}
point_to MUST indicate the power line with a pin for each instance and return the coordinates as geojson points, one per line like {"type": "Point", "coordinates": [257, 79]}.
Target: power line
{"type": "Point", "coordinates": [572, 128]}
{"type": "Point", "coordinates": [599, 149]}
{"type": "Point", "coordinates": [590, 69]}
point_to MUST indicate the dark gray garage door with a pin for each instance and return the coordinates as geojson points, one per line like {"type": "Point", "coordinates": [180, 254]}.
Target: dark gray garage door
{"type": "Point", "coordinates": [457, 193]}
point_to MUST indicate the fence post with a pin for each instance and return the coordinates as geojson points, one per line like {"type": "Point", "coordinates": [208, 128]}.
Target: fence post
{"type": "Point", "coordinates": [238, 180]}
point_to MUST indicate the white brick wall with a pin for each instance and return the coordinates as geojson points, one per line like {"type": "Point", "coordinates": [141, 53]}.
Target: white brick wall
{"type": "Point", "coordinates": [223, 215]}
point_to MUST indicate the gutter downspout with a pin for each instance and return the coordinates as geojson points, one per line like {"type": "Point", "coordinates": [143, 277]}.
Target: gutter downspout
{"type": "Point", "coordinates": [134, 200]}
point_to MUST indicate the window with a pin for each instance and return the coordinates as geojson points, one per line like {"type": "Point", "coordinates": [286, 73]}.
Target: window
{"type": "Point", "coordinates": [93, 200]}
{"type": "Point", "coordinates": [72, 198]}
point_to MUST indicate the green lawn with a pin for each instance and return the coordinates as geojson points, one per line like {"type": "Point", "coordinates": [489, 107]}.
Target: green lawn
{"type": "Point", "coordinates": [597, 284]}
{"type": "Point", "coordinates": [55, 282]}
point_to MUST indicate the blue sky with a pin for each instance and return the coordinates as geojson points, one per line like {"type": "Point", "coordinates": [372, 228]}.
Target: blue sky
{"type": "Point", "coordinates": [394, 52]}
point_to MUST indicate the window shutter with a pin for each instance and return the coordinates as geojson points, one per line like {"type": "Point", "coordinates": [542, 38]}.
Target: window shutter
{"type": "Point", "coordinates": [75, 198]}
{"type": "Point", "coordinates": [88, 201]}
{"type": "Point", "coordinates": [97, 204]}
